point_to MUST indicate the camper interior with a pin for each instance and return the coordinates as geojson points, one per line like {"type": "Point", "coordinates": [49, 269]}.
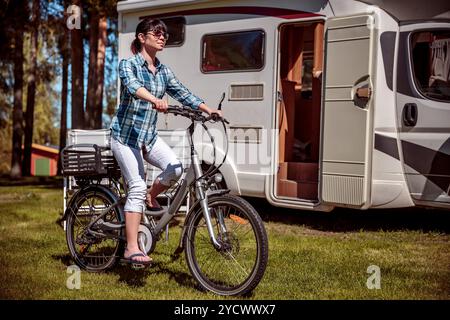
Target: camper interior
{"type": "Point", "coordinates": [300, 71]}
{"type": "Point", "coordinates": [432, 78]}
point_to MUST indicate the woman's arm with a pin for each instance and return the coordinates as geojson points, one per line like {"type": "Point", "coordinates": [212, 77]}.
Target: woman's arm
{"type": "Point", "coordinates": [136, 88]}
{"type": "Point", "coordinates": [161, 105]}
{"type": "Point", "coordinates": [127, 77]}
{"type": "Point", "coordinates": [180, 93]}
{"type": "Point", "coordinates": [144, 94]}
{"type": "Point", "coordinates": [208, 110]}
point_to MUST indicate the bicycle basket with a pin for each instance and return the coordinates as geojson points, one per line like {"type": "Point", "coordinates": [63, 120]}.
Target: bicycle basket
{"type": "Point", "coordinates": [88, 160]}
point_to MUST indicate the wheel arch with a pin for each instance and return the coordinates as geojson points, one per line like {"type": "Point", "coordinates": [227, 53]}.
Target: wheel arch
{"type": "Point", "coordinates": [109, 193]}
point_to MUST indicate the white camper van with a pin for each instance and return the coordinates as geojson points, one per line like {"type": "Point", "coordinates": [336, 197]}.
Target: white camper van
{"type": "Point", "coordinates": [331, 103]}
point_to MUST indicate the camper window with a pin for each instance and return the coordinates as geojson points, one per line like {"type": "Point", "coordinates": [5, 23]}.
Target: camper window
{"type": "Point", "coordinates": [432, 78]}
{"type": "Point", "coordinates": [234, 51]}
{"type": "Point", "coordinates": [175, 28]}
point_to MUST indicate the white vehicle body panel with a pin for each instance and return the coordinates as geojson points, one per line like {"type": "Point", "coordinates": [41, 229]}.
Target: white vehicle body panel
{"type": "Point", "coordinates": [253, 155]}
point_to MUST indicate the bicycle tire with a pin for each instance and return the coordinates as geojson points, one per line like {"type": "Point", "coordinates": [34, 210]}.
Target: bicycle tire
{"type": "Point", "coordinates": [252, 275]}
{"type": "Point", "coordinates": [91, 263]}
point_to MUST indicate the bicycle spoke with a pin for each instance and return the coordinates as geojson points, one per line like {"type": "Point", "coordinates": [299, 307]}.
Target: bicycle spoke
{"type": "Point", "coordinates": [234, 274]}
{"type": "Point", "coordinates": [92, 251]}
{"type": "Point", "coordinates": [237, 263]}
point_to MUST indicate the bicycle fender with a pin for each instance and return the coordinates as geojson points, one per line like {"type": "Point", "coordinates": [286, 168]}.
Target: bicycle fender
{"type": "Point", "coordinates": [101, 188]}
{"type": "Point", "coordinates": [217, 192]}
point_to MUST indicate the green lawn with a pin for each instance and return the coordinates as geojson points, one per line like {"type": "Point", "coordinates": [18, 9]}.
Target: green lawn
{"type": "Point", "coordinates": [308, 259]}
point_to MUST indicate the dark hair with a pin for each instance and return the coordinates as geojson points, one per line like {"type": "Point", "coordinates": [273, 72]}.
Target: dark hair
{"type": "Point", "coordinates": [146, 25]}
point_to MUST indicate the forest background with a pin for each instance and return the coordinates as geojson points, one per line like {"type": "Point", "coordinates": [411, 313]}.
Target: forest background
{"type": "Point", "coordinates": [58, 61]}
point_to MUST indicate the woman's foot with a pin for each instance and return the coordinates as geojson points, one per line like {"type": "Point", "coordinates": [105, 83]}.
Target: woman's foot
{"type": "Point", "coordinates": [136, 256]}
{"type": "Point", "coordinates": [151, 203]}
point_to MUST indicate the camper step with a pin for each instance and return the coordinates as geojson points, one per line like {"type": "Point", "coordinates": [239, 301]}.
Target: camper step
{"type": "Point", "coordinates": [299, 171]}
{"type": "Point", "coordinates": [297, 189]}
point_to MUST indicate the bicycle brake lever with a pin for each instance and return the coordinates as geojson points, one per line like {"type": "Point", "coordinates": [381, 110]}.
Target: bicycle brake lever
{"type": "Point", "coordinates": [215, 117]}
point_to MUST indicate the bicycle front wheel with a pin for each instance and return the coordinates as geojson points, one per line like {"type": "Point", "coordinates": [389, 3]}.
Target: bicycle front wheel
{"type": "Point", "coordinates": [239, 265]}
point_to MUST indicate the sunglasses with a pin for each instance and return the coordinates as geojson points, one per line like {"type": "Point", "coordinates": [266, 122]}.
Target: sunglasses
{"type": "Point", "coordinates": [159, 34]}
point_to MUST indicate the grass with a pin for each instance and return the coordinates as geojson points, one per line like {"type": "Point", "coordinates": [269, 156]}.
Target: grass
{"type": "Point", "coordinates": [312, 256]}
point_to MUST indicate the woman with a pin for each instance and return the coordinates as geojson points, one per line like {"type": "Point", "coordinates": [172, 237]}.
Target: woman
{"type": "Point", "coordinates": [144, 81]}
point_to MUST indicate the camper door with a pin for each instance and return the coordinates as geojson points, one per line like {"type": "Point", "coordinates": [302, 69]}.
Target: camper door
{"type": "Point", "coordinates": [423, 110]}
{"type": "Point", "coordinates": [347, 111]}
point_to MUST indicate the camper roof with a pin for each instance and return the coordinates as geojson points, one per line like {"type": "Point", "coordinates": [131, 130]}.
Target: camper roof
{"type": "Point", "coordinates": [132, 5]}
{"type": "Point", "coordinates": [402, 10]}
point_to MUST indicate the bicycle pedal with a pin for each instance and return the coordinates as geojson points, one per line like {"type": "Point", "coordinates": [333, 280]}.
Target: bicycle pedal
{"type": "Point", "coordinates": [135, 265]}
{"type": "Point", "coordinates": [139, 266]}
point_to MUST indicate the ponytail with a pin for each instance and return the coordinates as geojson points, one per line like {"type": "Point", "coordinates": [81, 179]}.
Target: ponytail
{"type": "Point", "coordinates": [136, 46]}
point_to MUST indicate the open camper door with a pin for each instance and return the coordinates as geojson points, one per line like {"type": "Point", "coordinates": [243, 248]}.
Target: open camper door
{"type": "Point", "coordinates": [348, 111]}
{"type": "Point", "coordinates": [423, 110]}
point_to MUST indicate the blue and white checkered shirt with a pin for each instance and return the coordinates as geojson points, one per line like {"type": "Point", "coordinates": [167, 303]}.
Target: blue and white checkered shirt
{"type": "Point", "coordinates": [134, 123]}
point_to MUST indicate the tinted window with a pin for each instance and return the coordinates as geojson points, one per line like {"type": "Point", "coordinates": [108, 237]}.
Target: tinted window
{"type": "Point", "coordinates": [175, 28]}
{"type": "Point", "coordinates": [233, 51]}
{"type": "Point", "coordinates": [431, 63]}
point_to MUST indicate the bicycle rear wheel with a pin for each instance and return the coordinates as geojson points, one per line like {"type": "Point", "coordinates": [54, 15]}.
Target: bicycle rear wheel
{"type": "Point", "coordinates": [239, 265]}
{"type": "Point", "coordinates": [92, 252]}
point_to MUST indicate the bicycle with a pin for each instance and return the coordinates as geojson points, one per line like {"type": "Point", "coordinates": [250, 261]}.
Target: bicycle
{"type": "Point", "coordinates": [223, 237]}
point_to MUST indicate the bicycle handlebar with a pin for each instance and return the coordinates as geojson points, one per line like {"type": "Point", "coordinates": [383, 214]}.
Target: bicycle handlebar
{"type": "Point", "coordinates": [194, 115]}
{"type": "Point", "coordinates": [197, 115]}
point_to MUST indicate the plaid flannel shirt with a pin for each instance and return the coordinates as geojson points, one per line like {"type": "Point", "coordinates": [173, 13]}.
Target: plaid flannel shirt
{"type": "Point", "coordinates": [134, 123]}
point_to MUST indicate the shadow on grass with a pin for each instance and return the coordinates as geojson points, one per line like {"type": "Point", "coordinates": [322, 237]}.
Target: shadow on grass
{"type": "Point", "coordinates": [49, 182]}
{"type": "Point", "coordinates": [65, 259]}
{"type": "Point", "coordinates": [180, 277]}
{"type": "Point", "coordinates": [133, 278]}
{"type": "Point", "coordinates": [347, 220]}
{"type": "Point", "coordinates": [137, 278]}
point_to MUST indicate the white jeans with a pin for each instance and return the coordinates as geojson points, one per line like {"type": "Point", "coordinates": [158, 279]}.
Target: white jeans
{"type": "Point", "coordinates": [131, 162]}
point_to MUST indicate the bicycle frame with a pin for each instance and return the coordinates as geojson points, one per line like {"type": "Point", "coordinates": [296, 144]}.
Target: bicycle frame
{"type": "Point", "coordinates": [193, 175]}
{"type": "Point", "coordinates": [223, 215]}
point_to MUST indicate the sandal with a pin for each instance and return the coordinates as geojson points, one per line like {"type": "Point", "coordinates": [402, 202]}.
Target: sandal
{"type": "Point", "coordinates": [137, 263]}
{"type": "Point", "coordinates": [154, 209]}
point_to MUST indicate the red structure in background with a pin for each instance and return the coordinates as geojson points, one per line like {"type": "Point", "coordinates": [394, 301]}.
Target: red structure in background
{"type": "Point", "coordinates": [44, 160]}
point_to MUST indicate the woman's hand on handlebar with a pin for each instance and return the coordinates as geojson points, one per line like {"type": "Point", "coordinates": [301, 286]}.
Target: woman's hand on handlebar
{"type": "Point", "coordinates": [160, 105]}
{"type": "Point", "coordinates": [196, 114]}
{"type": "Point", "coordinates": [215, 114]}
{"type": "Point", "coordinates": [210, 111]}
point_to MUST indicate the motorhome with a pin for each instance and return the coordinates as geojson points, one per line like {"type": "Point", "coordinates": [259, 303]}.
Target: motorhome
{"type": "Point", "coordinates": [331, 103]}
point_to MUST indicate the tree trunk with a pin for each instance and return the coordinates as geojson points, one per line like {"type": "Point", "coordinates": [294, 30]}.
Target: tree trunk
{"type": "Point", "coordinates": [101, 51]}
{"type": "Point", "coordinates": [31, 91]}
{"type": "Point", "coordinates": [92, 76]}
{"type": "Point", "coordinates": [77, 58]}
{"type": "Point", "coordinates": [65, 70]}
{"type": "Point", "coordinates": [16, 158]}
{"type": "Point", "coordinates": [63, 129]}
